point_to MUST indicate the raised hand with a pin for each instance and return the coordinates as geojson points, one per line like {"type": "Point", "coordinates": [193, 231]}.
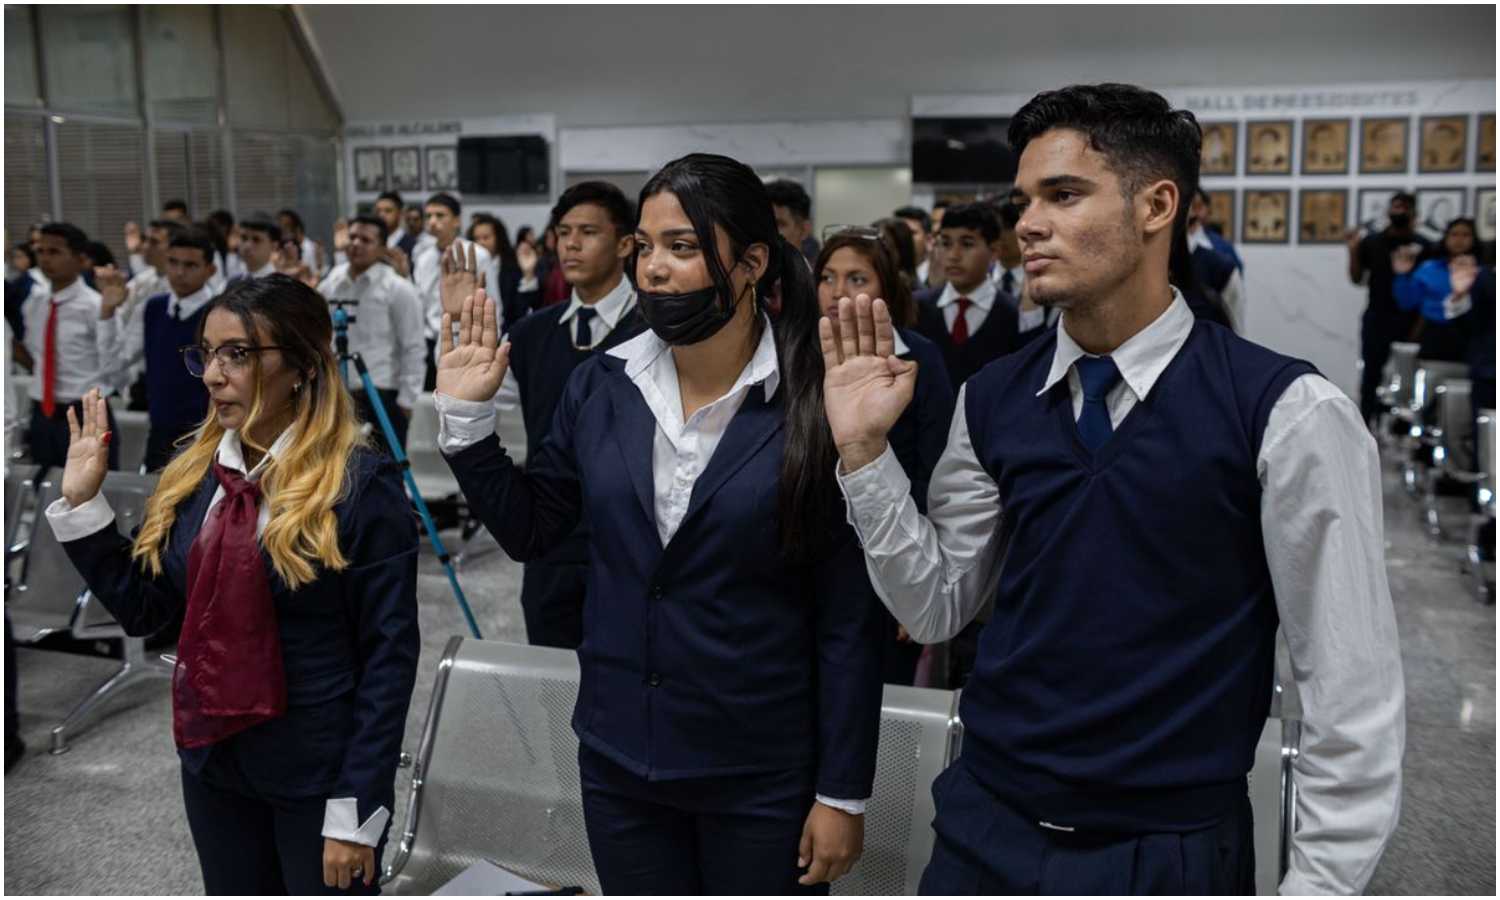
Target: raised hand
{"type": "Point", "coordinates": [1352, 237]}
{"type": "Point", "coordinates": [1462, 270]}
{"type": "Point", "coordinates": [110, 283]}
{"type": "Point", "coordinates": [341, 235]}
{"type": "Point", "coordinates": [472, 365]}
{"type": "Point", "coordinates": [398, 261]}
{"type": "Point", "coordinates": [526, 258]}
{"type": "Point", "coordinates": [866, 386]}
{"type": "Point", "coordinates": [88, 450]}
{"type": "Point", "coordinates": [133, 241]}
{"type": "Point", "coordinates": [1404, 258]}
{"type": "Point", "coordinates": [460, 277]}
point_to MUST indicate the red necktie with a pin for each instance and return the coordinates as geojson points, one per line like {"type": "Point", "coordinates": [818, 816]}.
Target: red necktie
{"type": "Point", "coordinates": [229, 674]}
{"type": "Point", "coordinates": [49, 363]}
{"type": "Point", "coordinates": [961, 322]}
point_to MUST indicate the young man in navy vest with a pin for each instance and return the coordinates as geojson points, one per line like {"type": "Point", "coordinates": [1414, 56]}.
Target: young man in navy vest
{"type": "Point", "coordinates": [966, 318]}
{"type": "Point", "coordinates": [595, 226]}
{"type": "Point", "coordinates": [175, 400]}
{"type": "Point", "coordinates": [1145, 497]}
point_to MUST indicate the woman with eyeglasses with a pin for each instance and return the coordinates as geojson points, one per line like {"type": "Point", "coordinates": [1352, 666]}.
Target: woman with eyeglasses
{"type": "Point", "coordinates": [857, 260]}
{"type": "Point", "coordinates": [291, 546]}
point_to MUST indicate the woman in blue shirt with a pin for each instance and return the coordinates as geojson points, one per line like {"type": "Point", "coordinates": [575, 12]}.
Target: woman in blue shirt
{"type": "Point", "coordinates": [1429, 288]}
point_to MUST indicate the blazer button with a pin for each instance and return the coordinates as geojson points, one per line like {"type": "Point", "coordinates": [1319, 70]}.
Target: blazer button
{"type": "Point", "coordinates": [655, 679]}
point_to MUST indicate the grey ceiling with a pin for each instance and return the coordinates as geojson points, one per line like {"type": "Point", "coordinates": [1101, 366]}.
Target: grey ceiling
{"type": "Point", "coordinates": [658, 65]}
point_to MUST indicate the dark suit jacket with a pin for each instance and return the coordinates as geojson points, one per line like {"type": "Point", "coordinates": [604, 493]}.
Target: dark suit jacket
{"type": "Point", "coordinates": [349, 641]}
{"type": "Point", "coordinates": [713, 655]}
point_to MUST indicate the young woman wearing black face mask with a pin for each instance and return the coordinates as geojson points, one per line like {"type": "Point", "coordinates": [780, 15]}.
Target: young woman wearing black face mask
{"type": "Point", "coordinates": [730, 692]}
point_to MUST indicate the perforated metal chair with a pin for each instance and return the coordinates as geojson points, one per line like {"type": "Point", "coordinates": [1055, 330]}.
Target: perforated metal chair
{"type": "Point", "coordinates": [20, 491]}
{"type": "Point", "coordinates": [428, 468]}
{"type": "Point", "coordinates": [1273, 801]}
{"type": "Point", "coordinates": [1400, 369]}
{"type": "Point", "coordinates": [1419, 414]}
{"type": "Point", "coordinates": [1448, 440]}
{"type": "Point", "coordinates": [132, 427]}
{"type": "Point", "coordinates": [1482, 525]}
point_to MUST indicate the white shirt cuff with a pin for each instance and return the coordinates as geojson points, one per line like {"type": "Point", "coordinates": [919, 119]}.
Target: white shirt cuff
{"type": "Point", "coordinates": [1455, 305]}
{"type": "Point", "coordinates": [852, 807]}
{"type": "Point", "coordinates": [527, 284]}
{"type": "Point", "coordinates": [874, 493]}
{"type": "Point", "coordinates": [70, 523]}
{"type": "Point", "coordinates": [1028, 319]}
{"type": "Point", "coordinates": [462, 423]}
{"type": "Point", "coordinates": [341, 822]}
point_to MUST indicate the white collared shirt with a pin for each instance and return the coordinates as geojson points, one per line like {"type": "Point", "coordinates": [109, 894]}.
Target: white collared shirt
{"type": "Point", "coordinates": [923, 268]}
{"type": "Point", "coordinates": [69, 523]}
{"type": "Point", "coordinates": [387, 328]}
{"type": "Point", "coordinates": [980, 301]}
{"type": "Point", "coordinates": [124, 343]}
{"type": "Point", "coordinates": [80, 346]}
{"type": "Point", "coordinates": [1321, 517]}
{"type": "Point", "coordinates": [265, 271]}
{"type": "Point", "coordinates": [426, 273]}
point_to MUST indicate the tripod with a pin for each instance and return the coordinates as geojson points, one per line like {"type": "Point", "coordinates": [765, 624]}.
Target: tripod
{"type": "Point", "coordinates": [341, 321]}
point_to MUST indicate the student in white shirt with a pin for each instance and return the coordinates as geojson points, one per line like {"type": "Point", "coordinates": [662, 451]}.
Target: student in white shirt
{"type": "Point", "coordinates": [259, 239]}
{"type": "Point", "coordinates": [386, 330]}
{"type": "Point", "coordinates": [444, 219]}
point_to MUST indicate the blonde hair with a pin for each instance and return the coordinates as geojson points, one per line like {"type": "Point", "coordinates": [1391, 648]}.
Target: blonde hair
{"type": "Point", "coordinates": [302, 484]}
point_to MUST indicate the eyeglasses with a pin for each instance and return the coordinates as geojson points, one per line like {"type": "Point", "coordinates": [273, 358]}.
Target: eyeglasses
{"type": "Point", "coordinates": [232, 357]}
{"type": "Point", "coordinates": [866, 232]}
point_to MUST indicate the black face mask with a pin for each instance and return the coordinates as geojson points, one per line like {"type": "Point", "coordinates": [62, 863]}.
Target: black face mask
{"type": "Point", "coordinates": [1400, 221]}
{"type": "Point", "coordinates": [688, 318]}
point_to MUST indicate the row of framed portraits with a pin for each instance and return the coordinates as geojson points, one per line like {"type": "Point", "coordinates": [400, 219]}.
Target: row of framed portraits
{"type": "Point", "coordinates": [1323, 215]}
{"type": "Point", "coordinates": [405, 169]}
{"type": "Point", "coordinates": [1327, 146]}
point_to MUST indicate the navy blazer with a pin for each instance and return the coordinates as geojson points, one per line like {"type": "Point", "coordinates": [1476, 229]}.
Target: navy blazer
{"type": "Point", "coordinates": [713, 655]}
{"type": "Point", "coordinates": [921, 434]}
{"type": "Point", "coordinates": [349, 641]}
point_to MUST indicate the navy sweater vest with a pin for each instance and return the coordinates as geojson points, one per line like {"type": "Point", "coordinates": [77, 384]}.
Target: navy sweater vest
{"type": "Point", "coordinates": [173, 396]}
{"type": "Point", "coordinates": [1126, 675]}
{"type": "Point", "coordinates": [995, 338]}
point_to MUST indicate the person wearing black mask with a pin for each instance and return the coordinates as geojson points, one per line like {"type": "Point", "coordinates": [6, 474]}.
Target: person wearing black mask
{"type": "Point", "coordinates": [1384, 320]}
{"type": "Point", "coordinates": [730, 694]}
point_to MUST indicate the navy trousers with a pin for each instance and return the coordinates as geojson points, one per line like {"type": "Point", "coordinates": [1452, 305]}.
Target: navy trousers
{"type": "Point", "coordinates": [552, 603]}
{"type": "Point", "coordinates": [732, 835]}
{"type": "Point", "coordinates": [251, 844]}
{"type": "Point", "coordinates": [985, 846]}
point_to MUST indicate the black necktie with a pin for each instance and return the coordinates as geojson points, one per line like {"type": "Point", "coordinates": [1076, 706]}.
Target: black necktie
{"type": "Point", "coordinates": [176, 310]}
{"type": "Point", "coordinates": [1008, 283]}
{"type": "Point", "coordinates": [583, 337]}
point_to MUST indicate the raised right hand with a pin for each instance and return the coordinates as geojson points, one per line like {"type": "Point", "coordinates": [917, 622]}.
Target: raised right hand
{"type": "Point", "coordinates": [110, 283]}
{"type": "Point", "coordinates": [88, 450]}
{"type": "Point", "coordinates": [1352, 238]}
{"type": "Point", "coordinates": [459, 279]}
{"type": "Point", "coordinates": [472, 366]}
{"type": "Point", "coordinates": [341, 235]}
{"type": "Point", "coordinates": [133, 240]}
{"type": "Point", "coordinates": [865, 386]}
{"type": "Point", "coordinates": [1404, 258]}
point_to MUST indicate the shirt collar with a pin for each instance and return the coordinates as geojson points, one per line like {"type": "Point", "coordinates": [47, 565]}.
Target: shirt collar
{"type": "Point", "coordinates": [190, 304]}
{"type": "Point", "coordinates": [71, 292]}
{"type": "Point", "coordinates": [646, 350]}
{"type": "Point", "coordinates": [264, 271]}
{"type": "Point", "coordinates": [611, 308]}
{"type": "Point", "coordinates": [1141, 359]}
{"type": "Point", "coordinates": [396, 237]}
{"type": "Point", "coordinates": [1198, 237]}
{"type": "Point", "coordinates": [231, 453]}
{"type": "Point", "coordinates": [982, 296]}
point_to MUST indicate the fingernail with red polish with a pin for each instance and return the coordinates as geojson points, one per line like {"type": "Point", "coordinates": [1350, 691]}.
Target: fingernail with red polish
{"type": "Point", "coordinates": [107, 436]}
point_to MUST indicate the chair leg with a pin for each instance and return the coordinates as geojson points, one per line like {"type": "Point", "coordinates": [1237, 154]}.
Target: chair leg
{"type": "Point", "coordinates": [135, 667]}
{"type": "Point", "coordinates": [1430, 504]}
{"type": "Point", "coordinates": [1480, 569]}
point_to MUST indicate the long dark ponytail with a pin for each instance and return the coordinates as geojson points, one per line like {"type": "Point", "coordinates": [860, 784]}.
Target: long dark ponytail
{"type": "Point", "coordinates": [717, 190]}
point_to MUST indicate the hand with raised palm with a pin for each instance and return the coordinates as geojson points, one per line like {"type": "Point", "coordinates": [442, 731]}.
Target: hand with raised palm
{"type": "Point", "coordinates": [1462, 271]}
{"type": "Point", "coordinates": [1404, 258]}
{"type": "Point", "coordinates": [110, 283]}
{"type": "Point", "coordinates": [133, 240]}
{"type": "Point", "coordinates": [866, 386]}
{"type": "Point", "coordinates": [460, 277]}
{"type": "Point", "coordinates": [473, 363]}
{"type": "Point", "coordinates": [88, 450]}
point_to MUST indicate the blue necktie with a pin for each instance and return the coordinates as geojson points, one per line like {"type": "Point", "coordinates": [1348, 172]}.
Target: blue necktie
{"type": "Point", "coordinates": [584, 336]}
{"type": "Point", "coordinates": [1097, 374]}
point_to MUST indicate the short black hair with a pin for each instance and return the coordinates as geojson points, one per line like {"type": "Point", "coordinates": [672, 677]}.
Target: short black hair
{"type": "Point", "coordinates": [223, 218]}
{"type": "Point", "coordinates": [392, 196]}
{"type": "Point", "coordinates": [373, 221]}
{"type": "Point", "coordinates": [602, 194]}
{"type": "Point", "coordinates": [177, 205]}
{"type": "Point", "coordinates": [445, 199]}
{"type": "Point", "coordinates": [170, 226]}
{"type": "Point", "coordinates": [791, 195]}
{"type": "Point", "coordinates": [264, 226]}
{"type": "Point", "coordinates": [72, 235]}
{"type": "Point", "coordinates": [915, 212]}
{"type": "Point", "coordinates": [195, 238]}
{"type": "Point", "coordinates": [1407, 196]}
{"type": "Point", "coordinates": [98, 253]}
{"type": "Point", "coordinates": [1140, 135]}
{"type": "Point", "coordinates": [296, 219]}
{"type": "Point", "coordinates": [976, 216]}
{"type": "Point", "coordinates": [1008, 214]}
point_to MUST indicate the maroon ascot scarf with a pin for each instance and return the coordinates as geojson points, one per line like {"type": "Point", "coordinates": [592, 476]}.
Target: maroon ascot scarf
{"type": "Point", "coordinates": [229, 675]}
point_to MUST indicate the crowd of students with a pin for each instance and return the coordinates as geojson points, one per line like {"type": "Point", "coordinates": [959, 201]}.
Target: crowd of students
{"type": "Point", "coordinates": [762, 472]}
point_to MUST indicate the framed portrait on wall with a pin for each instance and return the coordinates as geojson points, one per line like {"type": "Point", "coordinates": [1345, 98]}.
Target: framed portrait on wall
{"type": "Point", "coordinates": [442, 168]}
{"type": "Point", "coordinates": [1374, 205]}
{"type": "Point", "coordinates": [406, 168]}
{"type": "Point", "coordinates": [1267, 215]}
{"type": "Point", "coordinates": [1220, 141]}
{"type": "Point", "coordinates": [1268, 148]}
{"type": "Point", "coordinates": [1325, 146]}
{"type": "Point", "coordinates": [1484, 212]}
{"type": "Point", "coordinates": [1382, 145]}
{"type": "Point", "coordinates": [1221, 212]}
{"type": "Point", "coordinates": [369, 169]}
{"type": "Point", "coordinates": [1445, 142]}
{"type": "Point", "coordinates": [1484, 154]}
{"type": "Point", "coordinates": [1322, 214]}
{"type": "Point", "coordinates": [1436, 207]}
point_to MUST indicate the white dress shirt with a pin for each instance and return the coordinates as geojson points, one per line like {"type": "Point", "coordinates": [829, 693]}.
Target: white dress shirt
{"type": "Point", "coordinates": [1233, 293]}
{"type": "Point", "coordinates": [264, 271]}
{"type": "Point", "coordinates": [1321, 518]}
{"type": "Point", "coordinates": [234, 267]}
{"type": "Point", "coordinates": [680, 451]}
{"type": "Point", "coordinates": [69, 523]}
{"type": "Point", "coordinates": [123, 343]}
{"type": "Point", "coordinates": [923, 268]}
{"type": "Point", "coordinates": [980, 301]}
{"type": "Point", "coordinates": [387, 328]}
{"type": "Point", "coordinates": [79, 340]}
{"type": "Point", "coordinates": [427, 274]}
